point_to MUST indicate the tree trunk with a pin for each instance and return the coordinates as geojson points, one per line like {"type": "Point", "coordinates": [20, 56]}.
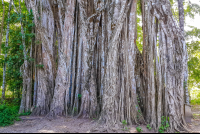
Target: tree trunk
{"type": "Point", "coordinates": [120, 102]}
{"type": "Point", "coordinates": [182, 23]}
{"type": "Point", "coordinates": [26, 100]}
{"type": "Point", "coordinates": [181, 14]}
{"type": "Point", "coordinates": [59, 103]}
{"type": "Point", "coordinates": [45, 26]}
{"type": "Point", "coordinates": [170, 87]}
{"type": "Point", "coordinates": [100, 70]}
{"type": "Point", "coordinates": [5, 56]}
{"type": "Point", "coordinates": [2, 24]}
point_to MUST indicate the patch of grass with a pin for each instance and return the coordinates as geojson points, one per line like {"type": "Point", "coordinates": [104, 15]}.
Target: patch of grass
{"type": "Point", "coordinates": [196, 116]}
{"type": "Point", "coordinates": [195, 101]}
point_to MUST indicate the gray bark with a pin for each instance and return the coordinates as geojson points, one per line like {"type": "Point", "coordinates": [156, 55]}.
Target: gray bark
{"type": "Point", "coordinates": [2, 24]}
{"type": "Point", "coordinates": [100, 69]}
{"type": "Point", "coordinates": [182, 24]}
{"type": "Point", "coordinates": [45, 25]}
{"type": "Point", "coordinates": [58, 105]}
{"type": "Point", "coordinates": [26, 100]}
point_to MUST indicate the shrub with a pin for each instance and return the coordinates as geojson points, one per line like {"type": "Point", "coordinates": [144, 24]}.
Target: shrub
{"type": "Point", "coordinates": [8, 114]}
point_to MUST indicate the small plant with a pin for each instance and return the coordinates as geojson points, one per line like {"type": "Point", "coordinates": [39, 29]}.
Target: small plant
{"type": "Point", "coordinates": [164, 124]}
{"type": "Point", "coordinates": [148, 126]}
{"type": "Point", "coordinates": [139, 129]}
{"type": "Point", "coordinates": [75, 109]}
{"type": "Point", "coordinates": [40, 66]}
{"type": "Point", "coordinates": [79, 96]}
{"type": "Point", "coordinates": [124, 122]}
{"type": "Point", "coordinates": [38, 42]}
{"type": "Point", "coordinates": [25, 113]}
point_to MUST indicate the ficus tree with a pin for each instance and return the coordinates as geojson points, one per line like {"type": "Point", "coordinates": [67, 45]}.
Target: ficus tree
{"type": "Point", "coordinates": [116, 60]}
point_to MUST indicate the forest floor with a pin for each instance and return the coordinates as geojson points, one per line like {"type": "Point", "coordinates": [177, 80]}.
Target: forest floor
{"type": "Point", "coordinates": [30, 124]}
{"type": "Point", "coordinates": [195, 125]}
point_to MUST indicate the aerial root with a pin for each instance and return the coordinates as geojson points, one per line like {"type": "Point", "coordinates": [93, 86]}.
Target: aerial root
{"type": "Point", "coordinates": [184, 127]}
{"type": "Point", "coordinates": [188, 130]}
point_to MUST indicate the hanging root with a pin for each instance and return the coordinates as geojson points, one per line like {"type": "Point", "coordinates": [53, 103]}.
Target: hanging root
{"type": "Point", "coordinates": [58, 111]}
{"type": "Point", "coordinates": [38, 111]}
{"type": "Point", "coordinates": [84, 105]}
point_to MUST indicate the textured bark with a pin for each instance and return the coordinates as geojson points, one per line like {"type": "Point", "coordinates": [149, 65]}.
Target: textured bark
{"type": "Point", "coordinates": [166, 75]}
{"type": "Point", "coordinates": [182, 24]}
{"type": "Point", "coordinates": [5, 56]}
{"type": "Point", "coordinates": [26, 100]}
{"type": "Point", "coordinates": [181, 14]}
{"type": "Point", "coordinates": [58, 105]}
{"type": "Point", "coordinates": [45, 26]}
{"type": "Point", "coordinates": [101, 72]}
{"type": "Point", "coordinates": [120, 99]}
{"type": "Point", "coordinates": [89, 98]}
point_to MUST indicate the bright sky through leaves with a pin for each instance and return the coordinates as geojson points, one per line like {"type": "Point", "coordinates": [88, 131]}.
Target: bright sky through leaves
{"type": "Point", "coordinates": [193, 22]}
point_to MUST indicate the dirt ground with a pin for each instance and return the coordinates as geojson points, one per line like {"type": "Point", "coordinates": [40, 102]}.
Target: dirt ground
{"type": "Point", "coordinates": [195, 125]}
{"type": "Point", "coordinates": [30, 124]}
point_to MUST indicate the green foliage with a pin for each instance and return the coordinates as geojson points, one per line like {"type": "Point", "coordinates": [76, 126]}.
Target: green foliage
{"type": "Point", "coordinates": [124, 122]}
{"type": "Point", "coordinates": [193, 47]}
{"type": "Point", "coordinates": [75, 110]}
{"type": "Point", "coordinates": [79, 96]}
{"type": "Point", "coordinates": [148, 126]}
{"type": "Point", "coordinates": [139, 40]}
{"type": "Point", "coordinates": [195, 97]}
{"type": "Point", "coordinates": [15, 58]}
{"type": "Point", "coordinates": [139, 129]}
{"type": "Point", "coordinates": [196, 116]}
{"type": "Point", "coordinates": [164, 124]}
{"type": "Point", "coordinates": [8, 114]}
{"type": "Point", "coordinates": [25, 113]}
{"type": "Point", "coordinates": [194, 63]}
{"type": "Point", "coordinates": [195, 102]}
{"type": "Point", "coordinates": [40, 66]}
{"type": "Point", "coordinates": [192, 9]}
{"type": "Point", "coordinates": [9, 111]}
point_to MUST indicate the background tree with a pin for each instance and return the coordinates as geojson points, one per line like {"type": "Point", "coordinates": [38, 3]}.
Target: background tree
{"type": "Point", "coordinates": [7, 39]}
{"type": "Point", "coordinates": [2, 24]}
